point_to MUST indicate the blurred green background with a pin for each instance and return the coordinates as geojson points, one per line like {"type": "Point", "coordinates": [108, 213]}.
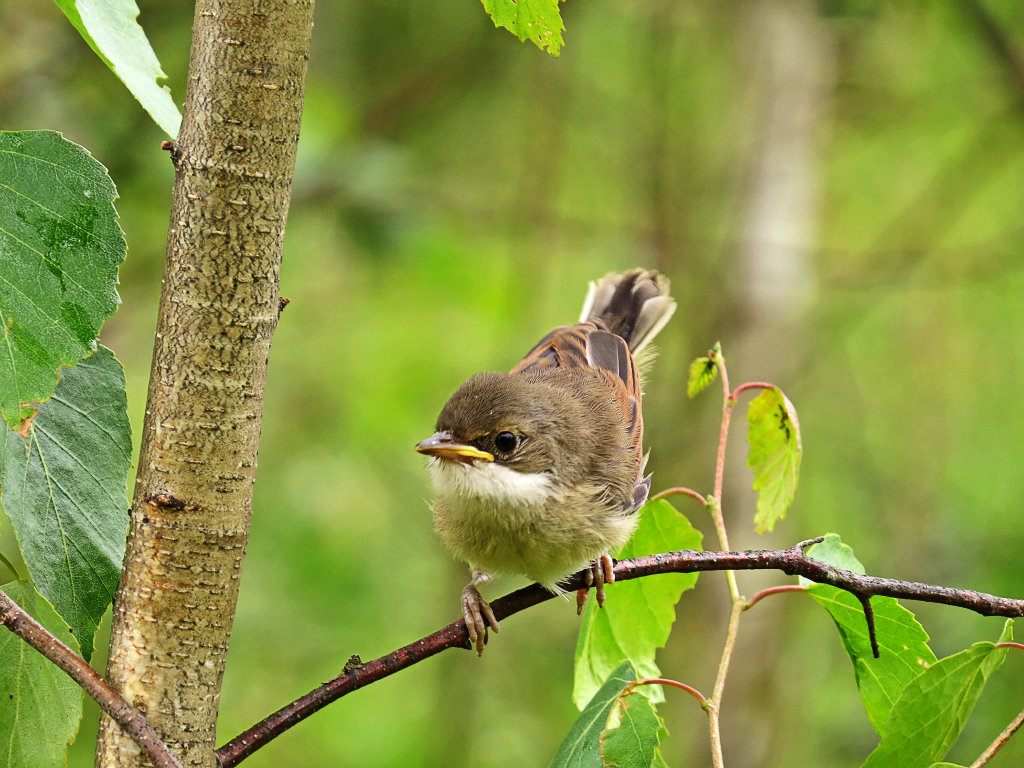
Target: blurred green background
{"type": "Point", "coordinates": [836, 190]}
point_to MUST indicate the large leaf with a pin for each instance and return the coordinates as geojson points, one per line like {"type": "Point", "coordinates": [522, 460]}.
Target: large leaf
{"type": "Point", "coordinates": [933, 709]}
{"type": "Point", "coordinates": [111, 30]}
{"type": "Point", "coordinates": [40, 706]}
{"type": "Point", "coordinates": [536, 20]}
{"type": "Point", "coordinates": [63, 488]}
{"type": "Point", "coordinates": [637, 617]}
{"type": "Point", "coordinates": [775, 451]}
{"type": "Point", "coordinates": [581, 747]}
{"type": "Point", "coordinates": [60, 247]}
{"type": "Point", "coordinates": [903, 643]}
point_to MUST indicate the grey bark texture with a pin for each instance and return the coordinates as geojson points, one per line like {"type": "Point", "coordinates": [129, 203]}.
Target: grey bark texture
{"type": "Point", "coordinates": [234, 162]}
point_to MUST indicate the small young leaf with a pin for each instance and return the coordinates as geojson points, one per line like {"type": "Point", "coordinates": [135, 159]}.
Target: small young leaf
{"type": "Point", "coordinates": [63, 488]}
{"type": "Point", "coordinates": [703, 371]}
{"type": "Point", "coordinates": [632, 742]}
{"type": "Point", "coordinates": [537, 20]}
{"type": "Point", "coordinates": [111, 30]}
{"type": "Point", "coordinates": [775, 450]}
{"type": "Point", "coordinates": [61, 247]}
{"type": "Point", "coordinates": [581, 747]}
{"type": "Point", "coordinates": [637, 616]}
{"type": "Point", "coordinates": [41, 706]}
{"type": "Point", "coordinates": [903, 645]}
{"type": "Point", "coordinates": [931, 712]}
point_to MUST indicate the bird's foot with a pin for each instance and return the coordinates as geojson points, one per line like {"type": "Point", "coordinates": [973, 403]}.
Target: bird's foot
{"type": "Point", "coordinates": [600, 572]}
{"type": "Point", "coordinates": [477, 613]}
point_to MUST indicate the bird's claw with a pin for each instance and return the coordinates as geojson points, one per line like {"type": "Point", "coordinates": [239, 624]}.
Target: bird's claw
{"type": "Point", "coordinates": [478, 616]}
{"type": "Point", "coordinates": [600, 572]}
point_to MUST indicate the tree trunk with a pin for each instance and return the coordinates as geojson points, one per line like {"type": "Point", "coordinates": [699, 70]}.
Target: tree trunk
{"type": "Point", "coordinates": [234, 164]}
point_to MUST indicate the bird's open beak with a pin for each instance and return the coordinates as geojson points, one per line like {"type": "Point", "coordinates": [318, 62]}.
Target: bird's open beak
{"type": "Point", "coordinates": [445, 446]}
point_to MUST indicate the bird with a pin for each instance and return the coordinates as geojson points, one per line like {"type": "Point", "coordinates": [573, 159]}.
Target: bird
{"type": "Point", "coordinates": [539, 471]}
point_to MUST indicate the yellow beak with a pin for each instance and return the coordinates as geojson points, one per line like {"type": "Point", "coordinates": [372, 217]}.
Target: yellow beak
{"type": "Point", "coordinates": [445, 446]}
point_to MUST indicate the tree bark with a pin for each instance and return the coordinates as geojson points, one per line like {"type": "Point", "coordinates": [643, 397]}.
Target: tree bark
{"type": "Point", "coordinates": [234, 164]}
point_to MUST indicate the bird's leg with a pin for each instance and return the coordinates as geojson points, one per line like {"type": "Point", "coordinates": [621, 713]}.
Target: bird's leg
{"type": "Point", "coordinates": [600, 572]}
{"type": "Point", "coordinates": [477, 612]}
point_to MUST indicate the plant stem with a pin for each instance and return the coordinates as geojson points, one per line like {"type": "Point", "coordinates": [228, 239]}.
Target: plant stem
{"type": "Point", "coordinates": [714, 726]}
{"type": "Point", "coordinates": [679, 491]}
{"type": "Point", "coordinates": [715, 502]}
{"type": "Point", "coordinates": [674, 684]}
{"type": "Point", "coordinates": [999, 742]}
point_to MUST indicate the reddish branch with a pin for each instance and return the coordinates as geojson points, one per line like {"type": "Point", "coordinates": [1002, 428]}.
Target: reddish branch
{"type": "Point", "coordinates": [356, 674]}
{"type": "Point", "coordinates": [790, 561]}
{"type": "Point", "coordinates": [130, 719]}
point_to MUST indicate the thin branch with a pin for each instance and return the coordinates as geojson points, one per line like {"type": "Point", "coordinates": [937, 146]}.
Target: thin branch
{"type": "Point", "coordinates": [869, 617]}
{"type": "Point", "coordinates": [674, 684]}
{"type": "Point", "coordinates": [773, 591]}
{"type": "Point", "coordinates": [999, 742]}
{"type": "Point", "coordinates": [680, 491]}
{"type": "Point", "coordinates": [751, 385]}
{"type": "Point", "coordinates": [130, 719]}
{"type": "Point", "coordinates": [790, 561]}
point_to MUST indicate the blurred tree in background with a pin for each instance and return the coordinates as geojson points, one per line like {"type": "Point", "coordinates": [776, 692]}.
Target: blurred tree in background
{"type": "Point", "coordinates": [835, 189]}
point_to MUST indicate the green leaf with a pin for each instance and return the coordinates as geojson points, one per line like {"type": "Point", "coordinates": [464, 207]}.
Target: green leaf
{"type": "Point", "coordinates": [111, 30]}
{"type": "Point", "coordinates": [933, 709]}
{"type": "Point", "coordinates": [775, 450]}
{"type": "Point", "coordinates": [833, 551]}
{"type": "Point", "coordinates": [703, 371]}
{"type": "Point", "coordinates": [637, 616]}
{"type": "Point", "coordinates": [41, 706]}
{"type": "Point", "coordinates": [64, 491]}
{"type": "Point", "coordinates": [60, 247]}
{"type": "Point", "coordinates": [903, 648]}
{"type": "Point", "coordinates": [632, 742]}
{"type": "Point", "coordinates": [537, 20]}
{"type": "Point", "coordinates": [581, 747]}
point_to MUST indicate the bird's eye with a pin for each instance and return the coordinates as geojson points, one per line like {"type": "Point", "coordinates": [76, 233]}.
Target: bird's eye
{"type": "Point", "coordinates": [505, 442]}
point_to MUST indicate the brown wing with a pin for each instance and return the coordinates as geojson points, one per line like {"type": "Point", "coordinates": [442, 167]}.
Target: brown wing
{"type": "Point", "coordinates": [592, 346]}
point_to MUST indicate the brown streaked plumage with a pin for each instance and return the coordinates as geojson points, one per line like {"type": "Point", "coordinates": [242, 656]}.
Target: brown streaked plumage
{"type": "Point", "coordinates": [539, 471]}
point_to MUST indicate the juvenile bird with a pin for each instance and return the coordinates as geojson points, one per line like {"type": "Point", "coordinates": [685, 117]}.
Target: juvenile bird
{"type": "Point", "coordinates": [539, 471]}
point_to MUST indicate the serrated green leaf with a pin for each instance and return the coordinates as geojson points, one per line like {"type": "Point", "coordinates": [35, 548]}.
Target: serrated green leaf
{"type": "Point", "coordinates": [903, 648]}
{"type": "Point", "coordinates": [703, 371]}
{"type": "Point", "coordinates": [633, 740]}
{"type": "Point", "coordinates": [637, 616]}
{"type": "Point", "coordinates": [536, 20]}
{"type": "Point", "coordinates": [60, 247]}
{"type": "Point", "coordinates": [63, 489]}
{"type": "Point", "coordinates": [775, 450]}
{"type": "Point", "coordinates": [930, 714]}
{"type": "Point", "coordinates": [903, 642]}
{"type": "Point", "coordinates": [581, 747]}
{"type": "Point", "coordinates": [111, 30]}
{"type": "Point", "coordinates": [41, 706]}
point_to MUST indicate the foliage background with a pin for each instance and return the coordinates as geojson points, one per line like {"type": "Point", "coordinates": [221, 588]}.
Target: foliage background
{"type": "Point", "coordinates": [835, 189]}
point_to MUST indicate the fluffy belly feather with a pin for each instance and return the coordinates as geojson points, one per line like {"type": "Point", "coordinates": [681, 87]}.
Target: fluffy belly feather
{"type": "Point", "coordinates": [507, 522]}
